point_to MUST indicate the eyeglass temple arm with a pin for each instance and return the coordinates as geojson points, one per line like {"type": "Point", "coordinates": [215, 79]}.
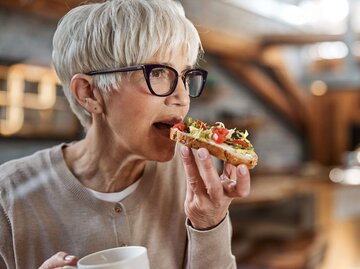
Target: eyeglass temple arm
{"type": "Point", "coordinates": [125, 69]}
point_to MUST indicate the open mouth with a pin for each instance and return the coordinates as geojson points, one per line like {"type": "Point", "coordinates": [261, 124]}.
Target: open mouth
{"type": "Point", "coordinates": [163, 125]}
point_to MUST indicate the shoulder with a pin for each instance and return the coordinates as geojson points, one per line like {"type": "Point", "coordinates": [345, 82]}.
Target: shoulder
{"type": "Point", "coordinates": [27, 166]}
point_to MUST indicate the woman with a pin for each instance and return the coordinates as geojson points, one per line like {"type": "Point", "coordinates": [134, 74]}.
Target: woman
{"type": "Point", "coordinates": [127, 69]}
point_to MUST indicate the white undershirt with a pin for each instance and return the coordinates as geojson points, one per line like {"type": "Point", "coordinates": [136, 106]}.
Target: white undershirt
{"type": "Point", "coordinates": [115, 196]}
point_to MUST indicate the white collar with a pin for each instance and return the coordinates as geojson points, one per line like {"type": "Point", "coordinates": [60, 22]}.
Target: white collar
{"type": "Point", "coordinates": [115, 196]}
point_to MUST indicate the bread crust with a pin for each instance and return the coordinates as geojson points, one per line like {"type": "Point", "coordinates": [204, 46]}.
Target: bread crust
{"type": "Point", "coordinates": [234, 158]}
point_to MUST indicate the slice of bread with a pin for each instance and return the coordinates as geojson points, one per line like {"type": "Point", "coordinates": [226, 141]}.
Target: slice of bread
{"type": "Point", "coordinates": [222, 151]}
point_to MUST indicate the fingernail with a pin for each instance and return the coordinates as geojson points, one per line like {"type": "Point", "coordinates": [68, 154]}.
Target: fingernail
{"type": "Point", "coordinates": [243, 169]}
{"type": "Point", "coordinates": [202, 154]}
{"type": "Point", "coordinates": [185, 151]}
{"type": "Point", "coordinates": [69, 257]}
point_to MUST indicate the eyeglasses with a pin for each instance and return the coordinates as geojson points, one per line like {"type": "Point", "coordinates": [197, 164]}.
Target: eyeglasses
{"type": "Point", "coordinates": [162, 79]}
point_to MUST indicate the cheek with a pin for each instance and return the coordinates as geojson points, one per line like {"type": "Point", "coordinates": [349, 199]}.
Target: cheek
{"type": "Point", "coordinates": [132, 113]}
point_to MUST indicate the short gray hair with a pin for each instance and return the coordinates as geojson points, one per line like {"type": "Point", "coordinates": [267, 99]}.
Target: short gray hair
{"type": "Point", "coordinates": [119, 33]}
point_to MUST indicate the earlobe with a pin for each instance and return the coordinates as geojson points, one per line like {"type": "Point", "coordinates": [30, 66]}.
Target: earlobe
{"type": "Point", "coordinates": [98, 105]}
{"type": "Point", "coordinates": [85, 94]}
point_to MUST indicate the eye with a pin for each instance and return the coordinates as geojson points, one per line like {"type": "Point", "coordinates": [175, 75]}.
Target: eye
{"type": "Point", "coordinates": [159, 73]}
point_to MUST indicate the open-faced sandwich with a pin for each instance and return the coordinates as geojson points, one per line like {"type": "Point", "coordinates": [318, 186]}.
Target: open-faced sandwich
{"type": "Point", "coordinates": [229, 145]}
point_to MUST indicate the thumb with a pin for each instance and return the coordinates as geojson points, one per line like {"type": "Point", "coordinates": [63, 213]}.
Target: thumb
{"type": "Point", "coordinates": [58, 260]}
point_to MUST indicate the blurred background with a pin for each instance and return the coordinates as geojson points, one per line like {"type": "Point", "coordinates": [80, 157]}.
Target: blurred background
{"type": "Point", "coordinates": [288, 71]}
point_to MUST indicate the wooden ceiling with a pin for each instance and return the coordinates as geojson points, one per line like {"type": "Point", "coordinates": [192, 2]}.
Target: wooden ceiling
{"type": "Point", "coordinates": [51, 9]}
{"type": "Point", "coordinates": [241, 56]}
{"type": "Point", "coordinates": [256, 62]}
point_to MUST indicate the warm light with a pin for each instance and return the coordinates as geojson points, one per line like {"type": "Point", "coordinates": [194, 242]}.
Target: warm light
{"type": "Point", "coordinates": [15, 99]}
{"type": "Point", "coordinates": [329, 50]}
{"type": "Point", "coordinates": [46, 96]}
{"type": "Point", "coordinates": [14, 122]}
{"type": "Point", "coordinates": [336, 175]}
{"type": "Point", "coordinates": [333, 50]}
{"type": "Point", "coordinates": [14, 113]}
{"type": "Point", "coordinates": [350, 176]}
{"type": "Point", "coordinates": [318, 88]}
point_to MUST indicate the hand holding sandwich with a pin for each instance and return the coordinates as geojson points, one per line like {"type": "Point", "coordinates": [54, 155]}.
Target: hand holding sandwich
{"type": "Point", "coordinates": [208, 194]}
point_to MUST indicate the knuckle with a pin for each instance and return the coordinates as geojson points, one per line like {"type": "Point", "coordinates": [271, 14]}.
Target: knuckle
{"type": "Point", "coordinates": [60, 255]}
{"type": "Point", "coordinates": [207, 164]}
{"type": "Point", "coordinates": [187, 160]}
{"type": "Point", "coordinates": [212, 192]}
{"type": "Point", "coordinates": [53, 261]}
{"type": "Point", "coordinates": [192, 182]}
{"type": "Point", "coordinates": [243, 193]}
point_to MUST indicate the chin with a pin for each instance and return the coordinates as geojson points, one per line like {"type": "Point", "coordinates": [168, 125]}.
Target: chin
{"type": "Point", "coordinates": [164, 152]}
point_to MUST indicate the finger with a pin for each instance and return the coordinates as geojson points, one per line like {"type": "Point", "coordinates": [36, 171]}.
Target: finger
{"type": "Point", "coordinates": [193, 179]}
{"type": "Point", "coordinates": [243, 180]}
{"type": "Point", "coordinates": [209, 175]}
{"type": "Point", "coordinates": [240, 187]}
{"type": "Point", "coordinates": [229, 170]}
{"type": "Point", "coordinates": [228, 184]}
{"type": "Point", "coordinates": [58, 260]}
{"type": "Point", "coordinates": [228, 179]}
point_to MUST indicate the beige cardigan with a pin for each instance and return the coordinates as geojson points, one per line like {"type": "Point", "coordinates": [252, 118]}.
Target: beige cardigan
{"type": "Point", "coordinates": [44, 209]}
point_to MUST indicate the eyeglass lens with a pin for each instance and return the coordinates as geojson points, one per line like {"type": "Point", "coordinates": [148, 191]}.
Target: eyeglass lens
{"type": "Point", "coordinates": [194, 82]}
{"type": "Point", "coordinates": [162, 81]}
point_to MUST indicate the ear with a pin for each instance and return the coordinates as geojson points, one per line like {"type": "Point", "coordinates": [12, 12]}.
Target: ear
{"type": "Point", "coordinates": [85, 94]}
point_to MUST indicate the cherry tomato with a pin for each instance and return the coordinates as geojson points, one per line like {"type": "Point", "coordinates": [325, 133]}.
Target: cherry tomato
{"type": "Point", "coordinates": [181, 126]}
{"type": "Point", "coordinates": [202, 125]}
{"type": "Point", "coordinates": [219, 134]}
{"type": "Point", "coordinates": [241, 143]}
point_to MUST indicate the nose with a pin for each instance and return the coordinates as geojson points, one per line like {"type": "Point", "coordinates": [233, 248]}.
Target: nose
{"type": "Point", "coordinates": [180, 96]}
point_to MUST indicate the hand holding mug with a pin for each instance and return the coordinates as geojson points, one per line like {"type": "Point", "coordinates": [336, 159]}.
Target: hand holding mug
{"type": "Point", "coordinates": [131, 257]}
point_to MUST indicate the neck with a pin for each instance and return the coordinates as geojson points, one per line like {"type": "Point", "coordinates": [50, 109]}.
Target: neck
{"type": "Point", "coordinates": [98, 165]}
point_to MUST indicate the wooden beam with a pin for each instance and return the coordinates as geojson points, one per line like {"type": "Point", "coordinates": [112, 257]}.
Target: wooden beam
{"type": "Point", "coordinates": [333, 115]}
{"type": "Point", "coordinates": [298, 39]}
{"type": "Point", "coordinates": [227, 45]}
{"type": "Point", "coordinates": [266, 88]}
{"type": "Point", "coordinates": [50, 9]}
{"type": "Point", "coordinates": [273, 58]}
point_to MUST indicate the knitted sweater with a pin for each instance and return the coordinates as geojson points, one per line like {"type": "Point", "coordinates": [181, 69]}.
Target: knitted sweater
{"type": "Point", "coordinates": [44, 209]}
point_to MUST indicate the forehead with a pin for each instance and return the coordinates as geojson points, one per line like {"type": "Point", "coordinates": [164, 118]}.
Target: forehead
{"type": "Point", "coordinates": [177, 58]}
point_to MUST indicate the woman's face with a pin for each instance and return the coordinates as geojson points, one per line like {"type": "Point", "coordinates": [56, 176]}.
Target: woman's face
{"type": "Point", "coordinates": [139, 122]}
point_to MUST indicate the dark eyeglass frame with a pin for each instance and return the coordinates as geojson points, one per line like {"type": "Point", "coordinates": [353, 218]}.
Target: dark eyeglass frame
{"type": "Point", "coordinates": [147, 68]}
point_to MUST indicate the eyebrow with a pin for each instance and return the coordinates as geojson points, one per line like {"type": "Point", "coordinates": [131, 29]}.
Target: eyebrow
{"type": "Point", "coordinates": [169, 64]}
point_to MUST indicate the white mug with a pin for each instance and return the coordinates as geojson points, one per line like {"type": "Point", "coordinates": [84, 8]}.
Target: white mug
{"type": "Point", "coordinates": [131, 257]}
